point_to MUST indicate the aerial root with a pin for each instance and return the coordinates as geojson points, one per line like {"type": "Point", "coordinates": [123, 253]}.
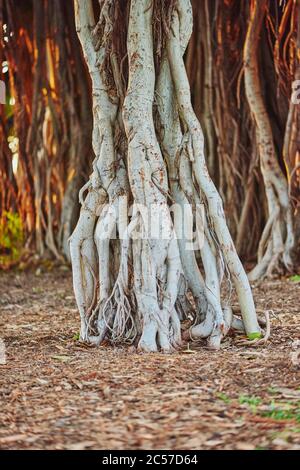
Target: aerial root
{"type": "Point", "coordinates": [237, 313]}
{"type": "Point", "coordinates": [176, 330]}
{"type": "Point", "coordinates": [259, 341]}
{"type": "Point", "coordinates": [115, 314]}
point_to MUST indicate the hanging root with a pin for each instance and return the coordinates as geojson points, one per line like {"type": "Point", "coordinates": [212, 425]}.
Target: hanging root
{"type": "Point", "coordinates": [115, 315]}
{"type": "Point", "coordinates": [84, 258]}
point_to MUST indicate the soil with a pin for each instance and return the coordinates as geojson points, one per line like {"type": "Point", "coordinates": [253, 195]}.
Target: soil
{"type": "Point", "coordinates": [57, 393]}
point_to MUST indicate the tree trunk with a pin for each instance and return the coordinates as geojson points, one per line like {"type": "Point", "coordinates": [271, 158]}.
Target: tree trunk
{"type": "Point", "coordinates": [277, 239]}
{"type": "Point", "coordinates": [138, 285]}
{"type": "Point", "coordinates": [53, 105]}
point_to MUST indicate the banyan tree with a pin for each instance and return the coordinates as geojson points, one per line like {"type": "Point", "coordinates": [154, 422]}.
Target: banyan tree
{"type": "Point", "coordinates": [149, 149]}
{"type": "Point", "coordinates": [152, 248]}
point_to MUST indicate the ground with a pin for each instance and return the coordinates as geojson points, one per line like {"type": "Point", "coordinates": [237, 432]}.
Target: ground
{"type": "Point", "coordinates": [57, 393]}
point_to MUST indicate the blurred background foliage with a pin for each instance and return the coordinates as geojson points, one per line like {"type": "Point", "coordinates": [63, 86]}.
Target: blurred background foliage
{"type": "Point", "coordinates": [46, 125]}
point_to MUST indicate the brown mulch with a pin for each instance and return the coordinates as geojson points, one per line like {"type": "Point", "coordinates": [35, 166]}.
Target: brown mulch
{"type": "Point", "coordinates": [56, 393]}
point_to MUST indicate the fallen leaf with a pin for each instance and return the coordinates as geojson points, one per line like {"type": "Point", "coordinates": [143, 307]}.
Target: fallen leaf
{"type": "Point", "coordinates": [62, 358]}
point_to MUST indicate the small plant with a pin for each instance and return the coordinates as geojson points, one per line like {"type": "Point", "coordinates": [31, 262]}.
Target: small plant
{"type": "Point", "coordinates": [252, 401]}
{"type": "Point", "coordinates": [283, 411]}
{"type": "Point", "coordinates": [11, 237]}
{"type": "Point", "coordinates": [76, 337]}
{"type": "Point", "coordinates": [222, 396]}
{"type": "Point", "coordinates": [295, 278]}
{"type": "Point", "coordinates": [253, 336]}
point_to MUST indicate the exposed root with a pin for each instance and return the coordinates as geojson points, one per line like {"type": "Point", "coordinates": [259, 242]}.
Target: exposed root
{"type": "Point", "coordinates": [259, 341]}
{"type": "Point", "coordinates": [84, 257]}
{"type": "Point", "coordinates": [115, 314]}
